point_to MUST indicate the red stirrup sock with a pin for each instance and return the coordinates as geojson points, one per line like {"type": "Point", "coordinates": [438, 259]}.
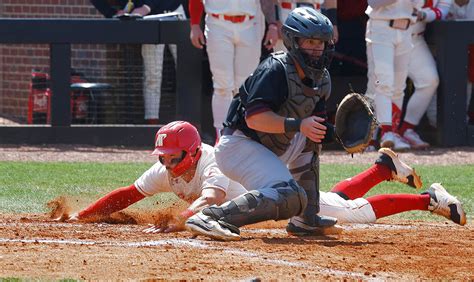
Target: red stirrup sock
{"type": "Point", "coordinates": [112, 202]}
{"type": "Point", "coordinates": [405, 126]}
{"type": "Point", "coordinates": [357, 186]}
{"type": "Point", "coordinates": [384, 129]}
{"type": "Point", "coordinates": [385, 205]}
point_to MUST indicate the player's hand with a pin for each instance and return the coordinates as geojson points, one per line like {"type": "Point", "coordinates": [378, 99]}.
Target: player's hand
{"type": "Point", "coordinates": [271, 37]}
{"type": "Point", "coordinates": [66, 217]}
{"type": "Point", "coordinates": [141, 11]}
{"type": "Point", "coordinates": [119, 13]}
{"type": "Point", "coordinates": [164, 229]}
{"type": "Point", "coordinates": [335, 34]}
{"type": "Point", "coordinates": [461, 3]}
{"type": "Point", "coordinates": [313, 128]}
{"type": "Point", "coordinates": [197, 37]}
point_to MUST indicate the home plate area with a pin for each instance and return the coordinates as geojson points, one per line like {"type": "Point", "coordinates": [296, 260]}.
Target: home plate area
{"type": "Point", "coordinates": [34, 246]}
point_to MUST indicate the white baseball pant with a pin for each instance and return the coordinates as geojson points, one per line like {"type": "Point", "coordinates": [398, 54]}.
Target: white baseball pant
{"type": "Point", "coordinates": [234, 52]}
{"type": "Point", "coordinates": [422, 71]}
{"type": "Point", "coordinates": [153, 73]}
{"type": "Point", "coordinates": [388, 55]}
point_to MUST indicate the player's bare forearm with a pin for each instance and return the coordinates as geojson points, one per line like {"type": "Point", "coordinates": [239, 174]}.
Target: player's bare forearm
{"type": "Point", "coordinates": [268, 122]}
{"type": "Point", "coordinates": [268, 9]}
{"type": "Point", "coordinates": [208, 198]}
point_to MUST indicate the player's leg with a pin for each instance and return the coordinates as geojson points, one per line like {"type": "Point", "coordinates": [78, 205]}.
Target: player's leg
{"type": "Point", "coordinates": [386, 168]}
{"type": "Point", "coordinates": [380, 60]}
{"type": "Point", "coordinates": [247, 51]}
{"type": "Point", "coordinates": [153, 68]}
{"type": "Point", "coordinates": [273, 194]}
{"type": "Point", "coordinates": [305, 170]}
{"type": "Point", "coordinates": [220, 50]}
{"type": "Point", "coordinates": [436, 199]}
{"type": "Point", "coordinates": [423, 73]}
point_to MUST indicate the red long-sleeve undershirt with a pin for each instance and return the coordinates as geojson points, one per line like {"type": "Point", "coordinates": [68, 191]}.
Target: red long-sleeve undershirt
{"type": "Point", "coordinates": [114, 201]}
{"type": "Point", "coordinates": [196, 9]}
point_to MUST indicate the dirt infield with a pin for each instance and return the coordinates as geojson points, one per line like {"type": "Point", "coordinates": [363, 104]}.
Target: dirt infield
{"type": "Point", "coordinates": [32, 246]}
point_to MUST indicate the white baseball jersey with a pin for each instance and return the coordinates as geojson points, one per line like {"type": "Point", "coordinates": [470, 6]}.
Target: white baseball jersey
{"type": "Point", "coordinates": [207, 175]}
{"type": "Point", "coordinates": [435, 10]}
{"type": "Point", "coordinates": [464, 12]}
{"type": "Point", "coordinates": [401, 9]}
{"type": "Point", "coordinates": [232, 8]}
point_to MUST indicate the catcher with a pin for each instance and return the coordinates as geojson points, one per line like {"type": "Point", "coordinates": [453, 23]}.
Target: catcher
{"type": "Point", "coordinates": [273, 134]}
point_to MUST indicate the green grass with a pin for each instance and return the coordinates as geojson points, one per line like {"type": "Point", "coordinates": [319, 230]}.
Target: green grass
{"type": "Point", "coordinates": [25, 187]}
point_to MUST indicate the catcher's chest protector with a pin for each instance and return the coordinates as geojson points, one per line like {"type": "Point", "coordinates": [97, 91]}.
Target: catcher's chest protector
{"type": "Point", "coordinates": [300, 103]}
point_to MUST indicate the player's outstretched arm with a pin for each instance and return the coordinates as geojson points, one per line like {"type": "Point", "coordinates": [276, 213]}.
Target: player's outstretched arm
{"type": "Point", "coordinates": [114, 201]}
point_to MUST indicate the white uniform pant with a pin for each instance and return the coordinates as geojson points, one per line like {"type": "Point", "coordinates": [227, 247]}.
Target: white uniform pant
{"type": "Point", "coordinates": [254, 166]}
{"type": "Point", "coordinates": [422, 71]}
{"type": "Point", "coordinates": [153, 69]}
{"type": "Point", "coordinates": [346, 211]}
{"type": "Point", "coordinates": [283, 15]}
{"type": "Point", "coordinates": [234, 52]}
{"type": "Point", "coordinates": [388, 55]}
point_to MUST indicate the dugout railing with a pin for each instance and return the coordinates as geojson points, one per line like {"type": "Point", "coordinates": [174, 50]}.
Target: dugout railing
{"type": "Point", "coordinates": [449, 40]}
{"type": "Point", "coordinates": [59, 34]}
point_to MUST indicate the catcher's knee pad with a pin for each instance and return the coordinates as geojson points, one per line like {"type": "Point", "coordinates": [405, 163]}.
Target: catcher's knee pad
{"type": "Point", "coordinates": [279, 202]}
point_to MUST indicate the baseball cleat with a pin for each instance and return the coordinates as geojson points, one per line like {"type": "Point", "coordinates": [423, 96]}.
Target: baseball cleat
{"type": "Point", "coordinates": [444, 204]}
{"type": "Point", "coordinates": [201, 224]}
{"type": "Point", "coordinates": [394, 141]}
{"type": "Point", "coordinates": [401, 172]}
{"type": "Point", "coordinates": [415, 140]}
{"type": "Point", "coordinates": [325, 226]}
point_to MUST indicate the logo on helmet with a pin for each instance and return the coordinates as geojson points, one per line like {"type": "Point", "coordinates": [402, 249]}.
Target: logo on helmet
{"type": "Point", "coordinates": [160, 139]}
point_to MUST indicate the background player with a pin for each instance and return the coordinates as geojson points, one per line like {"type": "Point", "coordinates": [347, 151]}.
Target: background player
{"type": "Point", "coordinates": [233, 35]}
{"type": "Point", "coordinates": [389, 45]}
{"type": "Point", "coordinates": [422, 71]}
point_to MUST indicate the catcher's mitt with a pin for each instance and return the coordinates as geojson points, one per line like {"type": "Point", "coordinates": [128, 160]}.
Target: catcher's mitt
{"type": "Point", "coordinates": [355, 123]}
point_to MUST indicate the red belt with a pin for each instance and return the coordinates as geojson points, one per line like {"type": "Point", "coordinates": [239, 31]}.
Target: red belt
{"type": "Point", "coordinates": [233, 19]}
{"type": "Point", "coordinates": [289, 5]}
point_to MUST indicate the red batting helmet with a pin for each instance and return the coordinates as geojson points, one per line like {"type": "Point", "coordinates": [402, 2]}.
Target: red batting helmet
{"type": "Point", "coordinates": [179, 136]}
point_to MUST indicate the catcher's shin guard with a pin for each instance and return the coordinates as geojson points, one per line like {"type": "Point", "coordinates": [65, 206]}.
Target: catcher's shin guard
{"type": "Point", "coordinates": [282, 201]}
{"type": "Point", "coordinates": [309, 180]}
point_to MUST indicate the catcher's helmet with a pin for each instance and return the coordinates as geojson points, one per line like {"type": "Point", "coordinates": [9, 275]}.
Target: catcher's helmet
{"type": "Point", "coordinates": [305, 22]}
{"type": "Point", "coordinates": [175, 137]}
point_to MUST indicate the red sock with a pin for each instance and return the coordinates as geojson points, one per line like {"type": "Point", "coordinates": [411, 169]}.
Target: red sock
{"type": "Point", "coordinates": [385, 128]}
{"type": "Point", "coordinates": [405, 126]}
{"type": "Point", "coordinates": [385, 205]}
{"type": "Point", "coordinates": [357, 186]}
{"type": "Point", "coordinates": [112, 202]}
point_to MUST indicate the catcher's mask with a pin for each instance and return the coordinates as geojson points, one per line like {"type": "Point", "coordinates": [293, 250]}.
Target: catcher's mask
{"type": "Point", "coordinates": [307, 23]}
{"type": "Point", "coordinates": [178, 137]}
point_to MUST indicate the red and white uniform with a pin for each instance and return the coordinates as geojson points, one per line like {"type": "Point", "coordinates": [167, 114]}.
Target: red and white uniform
{"type": "Point", "coordinates": [234, 31]}
{"type": "Point", "coordinates": [422, 66]}
{"type": "Point", "coordinates": [207, 175]}
{"type": "Point", "coordinates": [284, 8]}
{"type": "Point", "coordinates": [388, 52]}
